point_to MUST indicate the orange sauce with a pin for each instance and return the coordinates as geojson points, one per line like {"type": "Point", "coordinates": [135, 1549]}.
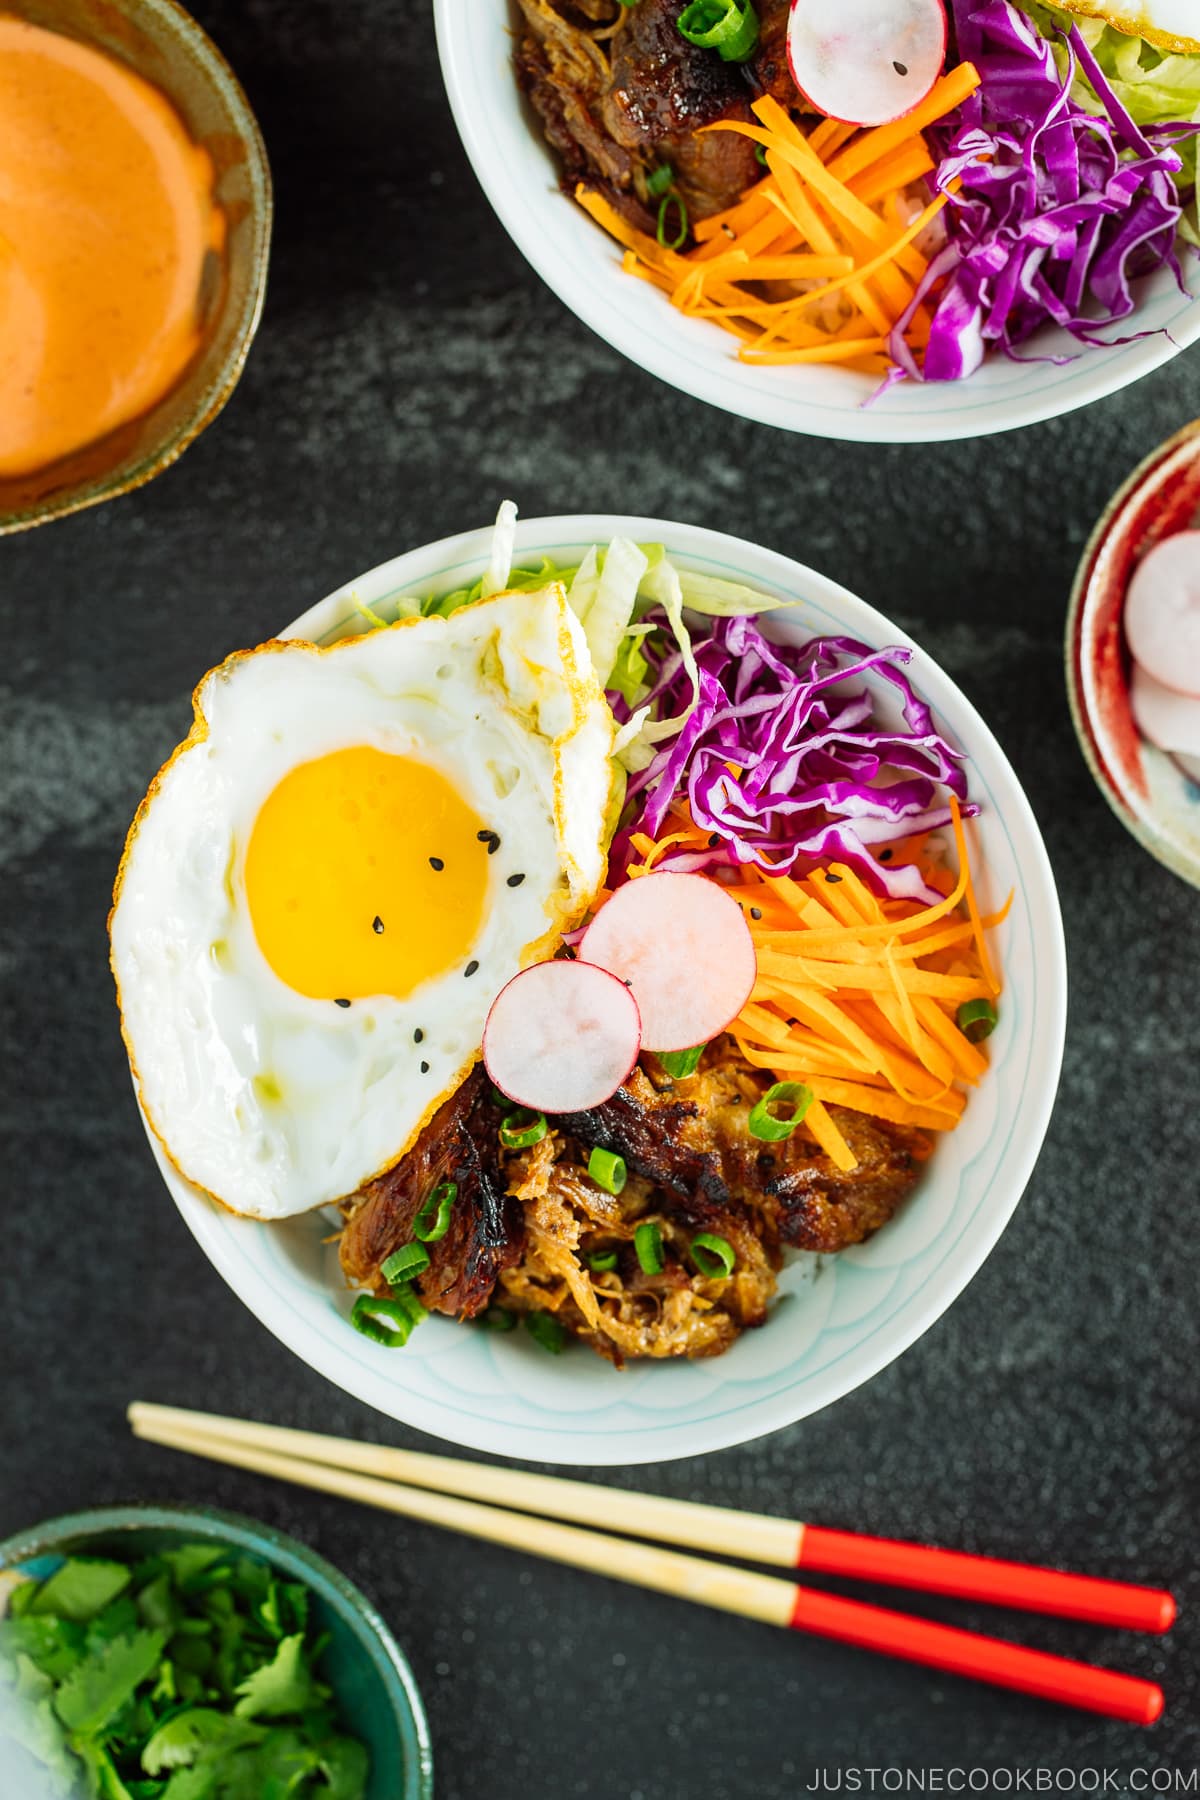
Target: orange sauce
{"type": "Point", "coordinates": [107, 215]}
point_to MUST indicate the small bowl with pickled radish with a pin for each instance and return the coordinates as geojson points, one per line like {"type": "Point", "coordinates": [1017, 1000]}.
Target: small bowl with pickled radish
{"type": "Point", "coordinates": [637, 281]}
{"type": "Point", "coordinates": [1133, 654]}
{"type": "Point", "coordinates": [836, 1320]}
{"type": "Point", "coordinates": [157, 199]}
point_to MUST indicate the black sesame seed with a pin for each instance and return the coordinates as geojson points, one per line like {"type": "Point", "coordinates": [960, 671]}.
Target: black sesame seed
{"type": "Point", "coordinates": [836, 878]}
{"type": "Point", "coordinates": [377, 925]}
{"type": "Point", "coordinates": [470, 968]}
{"type": "Point", "coordinates": [493, 844]}
{"type": "Point", "coordinates": [515, 880]}
{"type": "Point", "coordinates": [900, 68]}
{"type": "Point", "coordinates": [435, 862]}
{"type": "Point", "coordinates": [885, 856]}
{"type": "Point", "coordinates": [341, 1003]}
{"type": "Point", "coordinates": [418, 1036]}
{"type": "Point", "coordinates": [714, 840]}
{"type": "Point", "coordinates": [627, 981]}
{"type": "Point", "coordinates": [756, 912]}
{"type": "Point", "coordinates": [424, 1068]}
{"type": "Point", "coordinates": [483, 836]}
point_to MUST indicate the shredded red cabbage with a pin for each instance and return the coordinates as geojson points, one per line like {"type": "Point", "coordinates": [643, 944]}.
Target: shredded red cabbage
{"type": "Point", "coordinates": [814, 773]}
{"type": "Point", "coordinates": [1060, 209]}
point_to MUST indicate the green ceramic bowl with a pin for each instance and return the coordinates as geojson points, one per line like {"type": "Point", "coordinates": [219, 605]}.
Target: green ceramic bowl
{"type": "Point", "coordinates": [164, 44]}
{"type": "Point", "coordinates": [374, 1685]}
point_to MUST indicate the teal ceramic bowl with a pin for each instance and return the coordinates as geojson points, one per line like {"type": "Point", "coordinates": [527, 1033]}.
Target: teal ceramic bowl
{"type": "Point", "coordinates": [374, 1685]}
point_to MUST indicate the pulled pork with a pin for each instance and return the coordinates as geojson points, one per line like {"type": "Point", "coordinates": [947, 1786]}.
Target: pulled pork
{"type": "Point", "coordinates": [527, 1224]}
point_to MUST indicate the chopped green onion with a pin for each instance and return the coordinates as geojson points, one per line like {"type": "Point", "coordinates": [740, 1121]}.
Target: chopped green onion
{"type": "Point", "coordinates": [714, 1256]}
{"type": "Point", "coordinates": [383, 1321]}
{"type": "Point", "coordinates": [760, 154]}
{"type": "Point", "coordinates": [433, 1221]}
{"type": "Point", "coordinates": [766, 1125]}
{"type": "Point", "coordinates": [680, 205]}
{"type": "Point", "coordinates": [547, 1331]}
{"type": "Point", "coordinates": [679, 1063]}
{"type": "Point", "coordinates": [607, 1170]}
{"type": "Point", "coordinates": [660, 179]}
{"type": "Point", "coordinates": [603, 1262]}
{"type": "Point", "coordinates": [410, 1300]}
{"type": "Point", "coordinates": [498, 1318]}
{"type": "Point", "coordinates": [647, 1241]}
{"type": "Point", "coordinates": [728, 26]}
{"type": "Point", "coordinates": [522, 1128]}
{"type": "Point", "coordinates": [977, 1020]}
{"type": "Point", "coordinates": [497, 1098]}
{"type": "Point", "coordinates": [410, 1259]}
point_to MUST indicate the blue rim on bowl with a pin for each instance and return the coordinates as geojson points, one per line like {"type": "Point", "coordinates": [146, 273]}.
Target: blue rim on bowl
{"type": "Point", "coordinates": [373, 1681]}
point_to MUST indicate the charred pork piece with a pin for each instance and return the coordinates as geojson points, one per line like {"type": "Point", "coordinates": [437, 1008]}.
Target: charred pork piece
{"type": "Point", "coordinates": [487, 1230]}
{"type": "Point", "coordinates": [692, 1138]}
{"type": "Point", "coordinates": [662, 90]}
{"type": "Point", "coordinates": [768, 68]}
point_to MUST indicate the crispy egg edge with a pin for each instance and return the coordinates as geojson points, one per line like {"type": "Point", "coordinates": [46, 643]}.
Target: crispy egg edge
{"type": "Point", "coordinates": [1122, 19]}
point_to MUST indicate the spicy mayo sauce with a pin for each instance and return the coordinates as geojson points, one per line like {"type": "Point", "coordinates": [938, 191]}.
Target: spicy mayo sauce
{"type": "Point", "coordinates": [106, 217]}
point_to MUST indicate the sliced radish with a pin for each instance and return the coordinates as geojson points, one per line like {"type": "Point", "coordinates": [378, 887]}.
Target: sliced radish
{"type": "Point", "coordinates": [866, 61]}
{"type": "Point", "coordinates": [686, 949]}
{"type": "Point", "coordinates": [562, 1037]}
{"type": "Point", "coordinates": [1162, 613]}
{"type": "Point", "coordinates": [1169, 719]}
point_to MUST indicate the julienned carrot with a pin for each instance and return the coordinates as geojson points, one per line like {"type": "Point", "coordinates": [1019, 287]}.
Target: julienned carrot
{"type": "Point", "coordinates": [815, 262]}
{"type": "Point", "coordinates": [857, 995]}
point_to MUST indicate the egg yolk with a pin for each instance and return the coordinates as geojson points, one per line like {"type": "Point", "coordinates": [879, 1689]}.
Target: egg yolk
{"type": "Point", "coordinates": [366, 873]}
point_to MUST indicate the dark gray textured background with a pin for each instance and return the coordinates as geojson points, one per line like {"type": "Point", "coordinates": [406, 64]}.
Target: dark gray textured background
{"type": "Point", "coordinates": [411, 372]}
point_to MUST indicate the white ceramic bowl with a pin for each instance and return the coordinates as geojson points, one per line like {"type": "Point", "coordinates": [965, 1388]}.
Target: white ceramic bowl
{"type": "Point", "coordinates": [839, 1324]}
{"type": "Point", "coordinates": [575, 257]}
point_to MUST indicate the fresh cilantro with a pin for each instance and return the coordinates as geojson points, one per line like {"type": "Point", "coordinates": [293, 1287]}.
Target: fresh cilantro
{"type": "Point", "coordinates": [282, 1686]}
{"type": "Point", "coordinates": [191, 1675]}
{"type": "Point", "coordinates": [345, 1766]}
{"type": "Point", "coordinates": [55, 1645]}
{"type": "Point", "coordinates": [80, 1589]}
{"type": "Point", "coordinates": [99, 1686]}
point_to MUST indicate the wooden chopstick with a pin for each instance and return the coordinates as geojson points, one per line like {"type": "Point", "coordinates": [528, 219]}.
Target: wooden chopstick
{"type": "Point", "coordinates": [763, 1597]}
{"type": "Point", "coordinates": [753, 1537]}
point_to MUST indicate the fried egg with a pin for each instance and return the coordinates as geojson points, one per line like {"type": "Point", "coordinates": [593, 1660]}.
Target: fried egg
{"type": "Point", "coordinates": [335, 874]}
{"type": "Point", "coordinates": [1168, 24]}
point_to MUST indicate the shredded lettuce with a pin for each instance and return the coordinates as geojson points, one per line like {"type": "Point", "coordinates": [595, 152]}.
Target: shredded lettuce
{"type": "Point", "coordinates": [603, 596]}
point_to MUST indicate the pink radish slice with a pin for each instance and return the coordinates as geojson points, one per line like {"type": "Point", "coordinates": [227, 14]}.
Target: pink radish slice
{"type": "Point", "coordinates": [561, 1037]}
{"type": "Point", "coordinates": [685, 947]}
{"type": "Point", "coordinates": [1162, 613]}
{"type": "Point", "coordinates": [1170, 720]}
{"type": "Point", "coordinates": [866, 61]}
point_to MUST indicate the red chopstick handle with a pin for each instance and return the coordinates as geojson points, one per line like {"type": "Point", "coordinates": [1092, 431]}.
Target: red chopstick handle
{"type": "Point", "coordinates": [982, 1658]}
{"type": "Point", "coordinates": [1020, 1585]}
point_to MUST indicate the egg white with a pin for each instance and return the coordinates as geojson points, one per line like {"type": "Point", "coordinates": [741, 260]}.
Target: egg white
{"type": "Point", "coordinates": [274, 1102]}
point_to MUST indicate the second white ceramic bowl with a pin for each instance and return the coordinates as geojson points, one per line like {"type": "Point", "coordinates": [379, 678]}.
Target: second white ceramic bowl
{"type": "Point", "coordinates": [583, 266]}
{"type": "Point", "coordinates": [833, 1329]}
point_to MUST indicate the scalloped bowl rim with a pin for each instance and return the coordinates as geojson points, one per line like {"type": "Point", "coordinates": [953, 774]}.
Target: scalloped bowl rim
{"type": "Point", "coordinates": [461, 1384]}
